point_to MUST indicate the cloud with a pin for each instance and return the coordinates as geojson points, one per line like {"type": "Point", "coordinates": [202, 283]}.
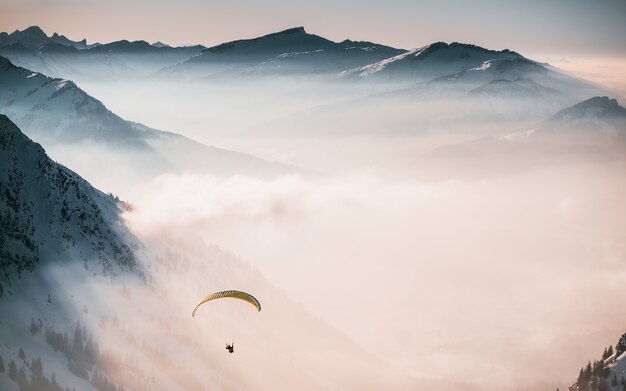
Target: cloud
{"type": "Point", "coordinates": [433, 276]}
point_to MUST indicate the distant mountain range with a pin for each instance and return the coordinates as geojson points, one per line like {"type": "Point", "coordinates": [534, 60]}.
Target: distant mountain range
{"type": "Point", "coordinates": [59, 56]}
{"type": "Point", "coordinates": [594, 130]}
{"type": "Point", "coordinates": [57, 113]}
{"type": "Point", "coordinates": [292, 52]}
{"type": "Point", "coordinates": [34, 38]}
{"type": "Point", "coordinates": [499, 88]}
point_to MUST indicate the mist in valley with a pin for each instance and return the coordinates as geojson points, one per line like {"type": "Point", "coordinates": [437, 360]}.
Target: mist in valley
{"type": "Point", "coordinates": [478, 273]}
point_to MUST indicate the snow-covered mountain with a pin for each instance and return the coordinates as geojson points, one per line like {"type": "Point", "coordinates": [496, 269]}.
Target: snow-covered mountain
{"type": "Point", "coordinates": [64, 118]}
{"type": "Point", "coordinates": [296, 53]}
{"type": "Point", "coordinates": [57, 232]}
{"type": "Point", "coordinates": [432, 61]}
{"type": "Point", "coordinates": [49, 213]}
{"type": "Point", "coordinates": [605, 374]}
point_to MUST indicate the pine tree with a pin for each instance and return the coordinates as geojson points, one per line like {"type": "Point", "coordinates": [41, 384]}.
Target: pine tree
{"type": "Point", "coordinates": [37, 368]}
{"type": "Point", "coordinates": [49, 298]}
{"type": "Point", "coordinates": [588, 371]}
{"type": "Point", "coordinates": [22, 381]}
{"type": "Point", "coordinates": [12, 371]}
{"type": "Point", "coordinates": [2, 368]}
{"type": "Point", "coordinates": [34, 328]}
{"type": "Point", "coordinates": [603, 386]}
{"type": "Point", "coordinates": [581, 379]}
{"type": "Point", "coordinates": [21, 354]}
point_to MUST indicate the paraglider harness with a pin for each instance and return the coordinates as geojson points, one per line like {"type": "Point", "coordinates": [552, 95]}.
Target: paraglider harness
{"type": "Point", "coordinates": [230, 348]}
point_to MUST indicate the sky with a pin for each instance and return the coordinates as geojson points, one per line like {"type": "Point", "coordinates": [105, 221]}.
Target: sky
{"type": "Point", "coordinates": [558, 28]}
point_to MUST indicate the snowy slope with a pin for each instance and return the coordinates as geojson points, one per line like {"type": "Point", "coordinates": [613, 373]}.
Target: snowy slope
{"type": "Point", "coordinates": [49, 212]}
{"type": "Point", "coordinates": [57, 232]}
{"type": "Point", "coordinates": [446, 68]}
{"type": "Point", "coordinates": [431, 61]}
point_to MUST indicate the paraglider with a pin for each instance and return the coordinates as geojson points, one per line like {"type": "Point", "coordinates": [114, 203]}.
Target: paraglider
{"type": "Point", "coordinates": [229, 294]}
{"type": "Point", "coordinates": [232, 294]}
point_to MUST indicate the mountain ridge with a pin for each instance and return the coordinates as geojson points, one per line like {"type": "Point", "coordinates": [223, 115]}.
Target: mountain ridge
{"type": "Point", "coordinates": [48, 212]}
{"type": "Point", "coordinates": [67, 120]}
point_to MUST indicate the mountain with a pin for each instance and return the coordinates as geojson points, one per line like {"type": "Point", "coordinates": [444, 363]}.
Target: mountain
{"type": "Point", "coordinates": [503, 88]}
{"type": "Point", "coordinates": [33, 38]}
{"type": "Point", "coordinates": [472, 88]}
{"type": "Point", "coordinates": [49, 213]}
{"type": "Point", "coordinates": [292, 51]}
{"type": "Point", "coordinates": [297, 53]}
{"type": "Point", "coordinates": [450, 68]}
{"type": "Point", "coordinates": [597, 121]}
{"type": "Point", "coordinates": [606, 374]}
{"type": "Point", "coordinates": [160, 44]}
{"type": "Point", "coordinates": [599, 108]}
{"type": "Point", "coordinates": [592, 131]}
{"type": "Point", "coordinates": [69, 122]}
{"type": "Point", "coordinates": [431, 61]}
{"type": "Point", "coordinates": [58, 56]}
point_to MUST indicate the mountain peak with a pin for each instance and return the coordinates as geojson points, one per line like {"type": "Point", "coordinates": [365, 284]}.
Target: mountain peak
{"type": "Point", "coordinates": [291, 36]}
{"type": "Point", "coordinates": [436, 46]}
{"type": "Point", "coordinates": [293, 30]}
{"type": "Point", "coordinates": [596, 107]}
{"type": "Point", "coordinates": [160, 44]}
{"type": "Point", "coordinates": [600, 101]}
{"type": "Point", "coordinates": [32, 30]}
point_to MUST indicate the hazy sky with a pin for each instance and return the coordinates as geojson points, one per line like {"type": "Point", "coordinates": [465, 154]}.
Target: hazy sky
{"type": "Point", "coordinates": [560, 28]}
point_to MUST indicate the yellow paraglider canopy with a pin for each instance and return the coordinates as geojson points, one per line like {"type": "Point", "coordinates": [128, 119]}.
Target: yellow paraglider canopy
{"type": "Point", "coordinates": [232, 294]}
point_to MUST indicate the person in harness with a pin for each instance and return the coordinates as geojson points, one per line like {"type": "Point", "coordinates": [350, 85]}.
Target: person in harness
{"type": "Point", "coordinates": [230, 348]}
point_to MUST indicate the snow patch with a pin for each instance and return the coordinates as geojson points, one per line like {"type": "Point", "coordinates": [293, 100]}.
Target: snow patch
{"type": "Point", "coordinates": [518, 136]}
{"type": "Point", "coordinates": [482, 67]}
{"type": "Point", "coordinates": [61, 84]}
{"type": "Point", "coordinates": [379, 66]}
{"type": "Point", "coordinates": [284, 55]}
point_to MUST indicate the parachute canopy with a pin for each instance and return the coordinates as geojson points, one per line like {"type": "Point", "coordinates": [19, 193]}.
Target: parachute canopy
{"type": "Point", "coordinates": [233, 294]}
